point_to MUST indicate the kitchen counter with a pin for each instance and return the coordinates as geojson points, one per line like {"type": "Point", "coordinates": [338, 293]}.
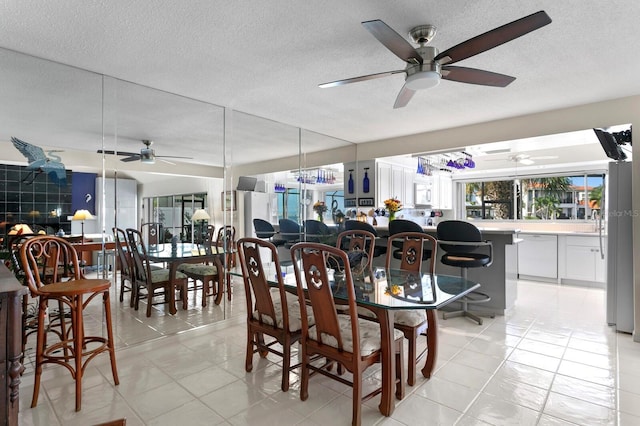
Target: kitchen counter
{"type": "Point", "coordinates": [384, 230]}
{"type": "Point", "coordinates": [575, 233]}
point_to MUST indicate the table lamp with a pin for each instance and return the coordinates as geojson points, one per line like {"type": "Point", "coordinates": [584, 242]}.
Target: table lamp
{"type": "Point", "coordinates": [82, 215]}
{"type": "Point", "coordinates": [200, 215]}
{"type": "Point", "coordinates": [21, 228]}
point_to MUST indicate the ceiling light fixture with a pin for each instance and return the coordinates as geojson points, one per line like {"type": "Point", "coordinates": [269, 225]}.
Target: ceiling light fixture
{"type": "Point", "coordinates": [423, 80]}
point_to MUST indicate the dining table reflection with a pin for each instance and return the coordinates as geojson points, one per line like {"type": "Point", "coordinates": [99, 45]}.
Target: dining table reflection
{"type": "Point", "coordinates": [175, 254]}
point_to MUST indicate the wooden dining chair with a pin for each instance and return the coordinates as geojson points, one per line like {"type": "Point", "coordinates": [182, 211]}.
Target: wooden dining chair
{"type": "Point", "coordinates": [70, 287]}
{"type": "Point", "coordinates": [415, 322]}
{"type": "Point", "coordinates": [353, 343]}
{"type": "Point", "coordinates": [125, 264]}
{"type": "Point", "coordinates": [271, 311]}
{"type": "Point", "coordinates": [210, 273]}
{"type": "Point", "coordinates": [152, 279]}
{"type": "Point", "coordinates": [225, 245]}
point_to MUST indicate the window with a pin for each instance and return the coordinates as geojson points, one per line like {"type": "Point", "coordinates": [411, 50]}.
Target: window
{"type": "Point", "coordinates": [574, 196]}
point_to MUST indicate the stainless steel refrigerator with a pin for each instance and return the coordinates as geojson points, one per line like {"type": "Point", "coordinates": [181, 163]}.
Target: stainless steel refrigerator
{"type": "Point", "coordinates": [619, 252]}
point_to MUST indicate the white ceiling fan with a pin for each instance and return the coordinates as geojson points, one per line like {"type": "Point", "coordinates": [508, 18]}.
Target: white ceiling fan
{"type": "Point", "coordinates": [523, 159]}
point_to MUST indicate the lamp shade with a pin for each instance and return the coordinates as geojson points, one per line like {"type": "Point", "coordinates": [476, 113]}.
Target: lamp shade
{"type": "Point", "coordinates": [200, 215]}
{"type": "Point", "coordinates": [21, 228]}
{"type": "Point", "coordinates": [82, 215]}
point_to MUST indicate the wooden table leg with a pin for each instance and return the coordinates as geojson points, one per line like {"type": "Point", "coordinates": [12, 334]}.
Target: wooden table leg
{"type": "Point", "coordinates": [387, 402]}
{"type": "Point", "coordinates": [172, 287]}
{"type": "Point", "coordinates": [432, 343]}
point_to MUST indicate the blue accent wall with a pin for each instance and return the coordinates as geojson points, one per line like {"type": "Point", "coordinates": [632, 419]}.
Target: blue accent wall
{"type": "Point", "coordinates": [83, 192]}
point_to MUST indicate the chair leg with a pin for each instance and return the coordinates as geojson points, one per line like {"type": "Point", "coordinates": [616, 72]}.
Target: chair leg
{"type": "Point", "coordinates": [286, 364]}
{"type": "Point", "coordinates": [111, 344]}
{"type": "Point", "coordinates": [411, 357]}
{"type": "Point", "coordinates": [205, 291]}
{"type": "Point", "coordinates": [304, 380]}
{"type": "Point", "coordinates": [357, 398]}
{"type": "Point", "coordinates": [150, 300]}
{"type": "Point", "coordinates": [42, 307]}
{"type": "Point", "coordinates": [248, 360]}
{"type": "Point", "coordinates": [400, 369]}
{"type": "Point", "coordinates": [78, 341]}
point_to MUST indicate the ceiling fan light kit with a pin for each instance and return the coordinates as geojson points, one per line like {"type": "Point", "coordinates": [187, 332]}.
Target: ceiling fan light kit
{"type": "Point", "coordinates": [426, 67]}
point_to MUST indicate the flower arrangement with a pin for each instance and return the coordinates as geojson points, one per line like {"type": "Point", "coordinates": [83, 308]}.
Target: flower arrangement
{"type": "Point", "coordinates": [393, 205]}
{"type": "Point", "coordinates": [320, 208]}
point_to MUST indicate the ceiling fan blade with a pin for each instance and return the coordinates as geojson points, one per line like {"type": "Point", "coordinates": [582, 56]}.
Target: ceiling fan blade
{"type": "Point", "coordinates": [101, 151]}
{"type": "Point", "coordinates": [476, 76]}
{"type": "Point", "coordinates": [134, 157]}
{"type": "Point", "coordinates": [361, 78]}
{"type": "Point", "coordinates": [172, 156]}
{"type": "Point", "coordinates": [493, 38]}
{"type": "Point", "coordinates": [393, 41]}
{"type": "Point", "coordinates": [404, 97]}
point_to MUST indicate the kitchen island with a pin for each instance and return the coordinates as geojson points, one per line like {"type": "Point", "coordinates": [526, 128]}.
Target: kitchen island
{"type": "Point", "coordinates": [498, 280]}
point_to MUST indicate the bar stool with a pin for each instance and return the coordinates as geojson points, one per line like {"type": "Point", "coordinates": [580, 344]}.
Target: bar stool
{"type": "Point", "coordinates": [57, 260]}
{"type": "Point", "coordinates": [464, 248]}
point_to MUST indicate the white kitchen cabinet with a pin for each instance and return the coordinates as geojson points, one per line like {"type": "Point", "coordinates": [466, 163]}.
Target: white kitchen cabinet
{"type": "Point", "coordinates": [445, 192]}
{"type": "Point", "coordinates": [397, 182]}
{"type": "Point", "coordinates": [394, 181]}
{"type": "Point", "coordinates": [383, 184]}
{"type": "Point", "coordinates": [538, 255]}
{"type": "Point", "coordinates": [583, 260]}
{"type": "Point", "coordinates": [407, 200]}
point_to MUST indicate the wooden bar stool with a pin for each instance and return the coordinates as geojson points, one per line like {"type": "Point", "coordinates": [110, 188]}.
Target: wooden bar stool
{"type": "Point", "coordinates": [41, 256]}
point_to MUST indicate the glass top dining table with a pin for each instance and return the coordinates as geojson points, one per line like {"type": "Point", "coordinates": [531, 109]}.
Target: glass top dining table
{"type": "Point", "coordinates": [180, 253]}
{"type": "Point", "coordinates": [385, 291]}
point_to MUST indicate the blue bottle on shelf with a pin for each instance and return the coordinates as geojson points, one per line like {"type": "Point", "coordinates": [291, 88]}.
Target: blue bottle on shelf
{"type": "Point", "coordinates": [365, 181]}
{"type": "Point", "coordinates": [350, 184]}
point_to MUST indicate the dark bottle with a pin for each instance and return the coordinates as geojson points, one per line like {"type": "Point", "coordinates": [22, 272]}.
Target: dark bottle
{"type": "Point", "coordinates": [365, 181]}
{"type": "Point", "coordinates": [350, 184]}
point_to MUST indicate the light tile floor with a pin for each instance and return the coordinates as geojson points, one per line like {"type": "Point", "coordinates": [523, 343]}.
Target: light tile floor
{"type": "Point", "coordinates": [551, 361]}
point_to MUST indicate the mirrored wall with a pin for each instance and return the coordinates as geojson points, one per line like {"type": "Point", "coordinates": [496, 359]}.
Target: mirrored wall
{"type": "Point", "coordinates": [132, 155]}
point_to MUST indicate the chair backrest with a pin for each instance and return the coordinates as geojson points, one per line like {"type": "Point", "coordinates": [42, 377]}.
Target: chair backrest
{"type": "Point", "coordinates": [357, 241]}
{"type": "Point", "coordinates": [263, 228]}
{"type": "Point", "coordinates": [46, 259]}
{"type": "Point", "coordinates": [152, 232]}
{"type": "Point", "coordinates": [411, 247]}
{"type": "Point", "coordinates": [289, 230]}
{"type": "Point", "coordinates": [458, 230]}
{"type": "Point", "coordinates": [141, 267]}
{"type": "Point", "coordinates": [356, 224]}
{"type": "Point", "coordinates": [124, 255]}
{"type": "Point", "coordinates": [226, 238]}
{"type": "Point", "coordinates": [318, 232]}
{"type": "Point", "coordinates": [256, 283]}
{"type": "Point", "coordinates": [315, 293]}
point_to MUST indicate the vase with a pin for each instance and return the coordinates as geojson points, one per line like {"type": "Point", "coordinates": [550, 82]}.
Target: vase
{"type": "Point", "coordinates": [320, 218]}
{"type": "Point", "coordinates": [392, 216]}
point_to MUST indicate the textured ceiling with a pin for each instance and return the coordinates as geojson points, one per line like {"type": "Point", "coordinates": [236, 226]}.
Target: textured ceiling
{"type": "Point", "coordinates": [267, 58]}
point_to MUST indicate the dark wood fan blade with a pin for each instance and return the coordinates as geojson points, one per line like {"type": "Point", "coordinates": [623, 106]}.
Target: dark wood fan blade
{"type": "Point", "coordinates": [134, 157]}
{"type": "Point", "coordinates": [361, 78]}
{"type": "Point", "coordinates": [476, 76]}
{"type": "Point", "coordinates": [493, 38]}
{"type": "Point", "coordinates": [100, 151]}
{"type": "Point", "coordinates": [393, 41]}
{"type": "Point", "coordinates": [404, 97]}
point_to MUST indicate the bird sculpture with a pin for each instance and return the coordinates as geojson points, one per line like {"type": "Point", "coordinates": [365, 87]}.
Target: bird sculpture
{"type": "Point", "coordinates": [40, 162]}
